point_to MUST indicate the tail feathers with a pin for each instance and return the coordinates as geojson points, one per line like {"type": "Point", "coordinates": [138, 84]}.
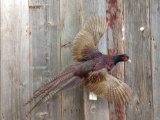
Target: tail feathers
{"type": "Point", "coordinates": [74, 81]}
{"type": "Point", "coordinates": [52, 90]}
{"type": "Point", "coordinates": [51, 84]}
{"type": "Point", "coordinates": [38, 103]}
{"type": "Point", "coordinates": [46, 83]}
{"type": "Point", "coordinates": [49, 81]}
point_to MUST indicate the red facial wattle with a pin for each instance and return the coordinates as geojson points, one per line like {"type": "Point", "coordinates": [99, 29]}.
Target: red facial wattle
{"type": "Point", "coordinates": [125, 58]}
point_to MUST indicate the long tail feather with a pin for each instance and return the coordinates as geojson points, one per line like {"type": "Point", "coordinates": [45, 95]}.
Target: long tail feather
{"type": "Point", "coordinates": [55, 82]}
{"type": "Point", "coordinates": [38, 103]}
{"type": "Point", "coordinates": [56, 86]}
{"type": "Point", "coordinates": [52, 84]}
{"type": "Point", "coordinates": [44, 84]}
{"type": "Point", "coordinates": [74, 81]}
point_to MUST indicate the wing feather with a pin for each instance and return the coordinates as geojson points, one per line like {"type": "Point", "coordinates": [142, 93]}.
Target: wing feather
{"type": "Point", "coordinates": [112, 89]}
{"type": "Point", "coordinates": [84, 44]}
{"type": "Point", "coordinates": [97, 26]}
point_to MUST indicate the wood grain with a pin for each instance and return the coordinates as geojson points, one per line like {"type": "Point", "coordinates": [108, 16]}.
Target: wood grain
{"type": "Point", "coordinates": [53, 51]}
{"type": "Point", "coordinates": [138, 46]}
{"type": "Point", "coordinates": [155, 23]}
{"type": "Point", "coordinates": [14, 59]}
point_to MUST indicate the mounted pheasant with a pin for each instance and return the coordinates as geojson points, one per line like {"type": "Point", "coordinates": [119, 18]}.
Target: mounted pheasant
{"type": "Point", "coordinates": [91, 68]}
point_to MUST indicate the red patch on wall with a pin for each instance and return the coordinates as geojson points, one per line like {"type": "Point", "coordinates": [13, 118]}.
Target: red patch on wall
{"type": "Point", "coordinates": [112, 12]}
{"type": "Point", "coordinates": [119, 109]}
{"type": "Point", "coordinates": [112, 1]}
{"type": "Point", "coordinates": [112, 52]}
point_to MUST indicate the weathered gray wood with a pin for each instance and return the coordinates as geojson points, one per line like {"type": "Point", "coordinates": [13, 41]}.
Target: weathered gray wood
{"type": "Point", "coordinates": [38, 48]}
{"type": "Point", "coordinates": [138, 46]}
{"type": "Point", "coordinates": [53, 51]}
{"type": "Point", "coordinates": [14, 59]}
{"type": "Point", "coordinates": [95, 110]}
{"type": "Point", "coordinates": [72, 99]}
{"type": "Point", "coordinates": [45, 52]}
{"type": "Point", "coordinates": [155, 36]}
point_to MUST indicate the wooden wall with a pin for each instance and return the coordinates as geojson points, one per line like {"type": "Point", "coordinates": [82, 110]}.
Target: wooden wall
{"type": "Point", "coordinates": [138, 46]}
{"type": "Point", "coordinates": [155, 42]}
{"type": "Point", "coordinates": [36, 41]}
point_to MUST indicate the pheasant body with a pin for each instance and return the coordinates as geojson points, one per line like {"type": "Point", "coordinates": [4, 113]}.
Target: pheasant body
{"type": "Point", "coordinates": [90, 69]}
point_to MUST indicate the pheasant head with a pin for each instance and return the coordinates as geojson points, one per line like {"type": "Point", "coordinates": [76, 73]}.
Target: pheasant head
{"type": "Point", "coordinates": [121, 58]}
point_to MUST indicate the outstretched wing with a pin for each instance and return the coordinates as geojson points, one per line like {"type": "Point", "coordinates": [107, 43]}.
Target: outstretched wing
{"type": "Point", "coordinates": [97, 27]}
{"type": "Point", "coordinates": [108, 87]}
{"type": "Point", "coordinates": [84, 44]}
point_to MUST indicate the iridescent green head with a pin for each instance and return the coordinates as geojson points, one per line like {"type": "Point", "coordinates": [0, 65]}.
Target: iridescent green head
{"type": "Point", "coordinates": [121, 58]}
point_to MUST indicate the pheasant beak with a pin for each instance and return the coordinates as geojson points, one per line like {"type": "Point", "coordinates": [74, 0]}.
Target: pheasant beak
{"type": "Point", "coordinates": [129, 60]}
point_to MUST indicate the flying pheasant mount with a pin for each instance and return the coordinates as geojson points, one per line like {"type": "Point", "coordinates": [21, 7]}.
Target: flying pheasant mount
{"type": "Point", "coordinates": [91, 68]}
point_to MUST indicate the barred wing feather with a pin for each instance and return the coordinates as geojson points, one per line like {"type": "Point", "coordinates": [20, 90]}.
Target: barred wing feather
{"type": "Point", "coordinates": [110, 88]}
{"type": "Point", "coordinates": [84, 44]}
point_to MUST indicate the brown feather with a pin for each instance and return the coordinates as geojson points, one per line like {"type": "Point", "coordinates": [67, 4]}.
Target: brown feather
{"type": "Point", "coordinates": [86, 40]}
{"type": "Point", "coordinates": [73, 82]}
{"type": "Point", "coordinates": [89, 70]}
{"type": "Point", "coordinates": [112, 89]}
{"type": "Point", "coordinates": [52, 90]}
{"type": "Point", "coordinates": [96, 26]}
{"type": "Point", "coordinates": [45, 89]}
{"type": "Point", "coordinates": [68, 78]}
{"type": "Point", "coordinates": [96, 76]}
{"type": "Point", "coordinates": [82, 45]}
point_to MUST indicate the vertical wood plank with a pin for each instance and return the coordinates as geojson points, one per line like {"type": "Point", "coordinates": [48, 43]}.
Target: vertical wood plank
{"type": "Point", "coordinates": [14, 59]}
{"type": "Point", "coordinates": [138, 46]}
{"type": "Point", "coordinates": [155, 23]}
{"type": "Point", "coordinates": [95, 110]}
{"type": "Point", "coordinates": [38, 49]}
{"type": "Point", "coordinates": [53, 51]}
{"type": "Point", "coordinates": [115, 45]}
{"type": "Point", "coordinates": [45, 53]}
{"type": "Point", "coordinates": [72, 99]}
